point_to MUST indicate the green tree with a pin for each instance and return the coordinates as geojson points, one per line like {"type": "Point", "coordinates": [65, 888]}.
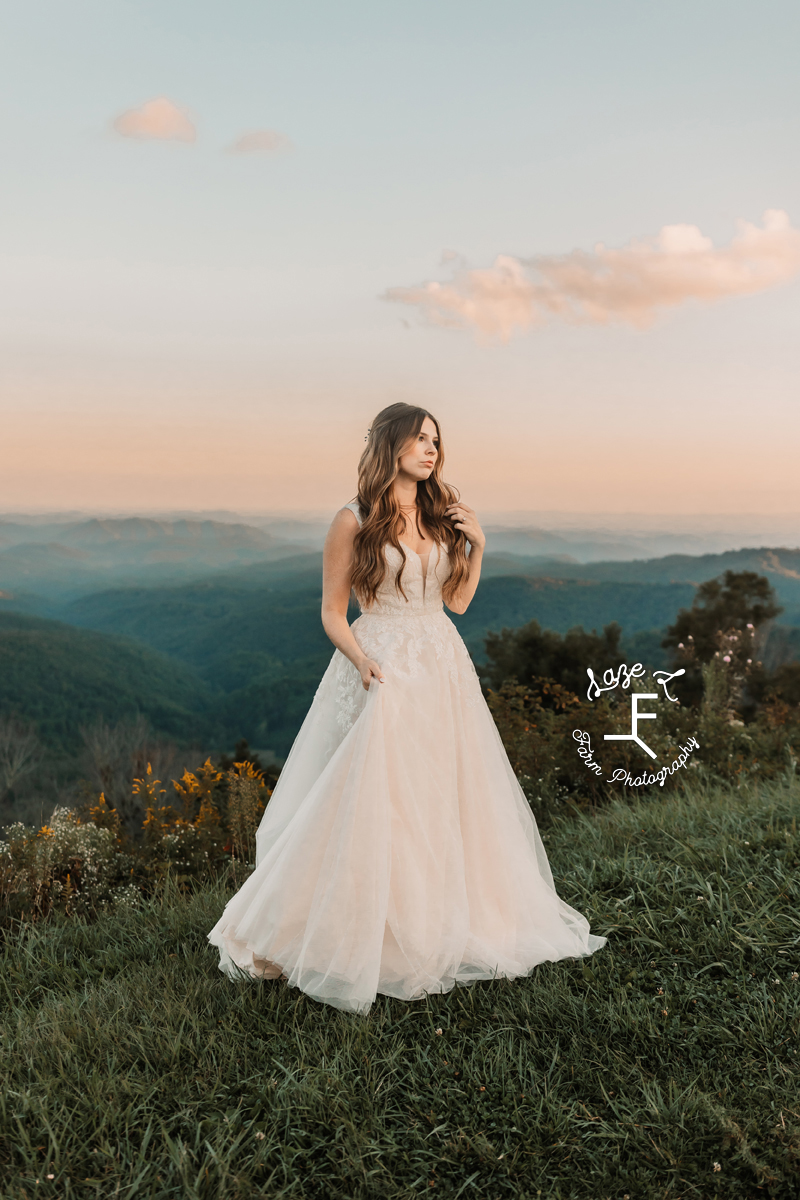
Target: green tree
{"type": "Point", "coordinates": [739, 599]}
{"type": "Point", "coordinates": [532, 653]}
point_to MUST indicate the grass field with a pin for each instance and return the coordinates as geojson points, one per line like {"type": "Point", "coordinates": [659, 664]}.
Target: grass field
{"type": "Point", "coordinates": [666, 1066]}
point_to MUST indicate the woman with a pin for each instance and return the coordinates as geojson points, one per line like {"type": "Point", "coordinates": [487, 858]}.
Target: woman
{"type": "Point", "coordinates": [398, 853]}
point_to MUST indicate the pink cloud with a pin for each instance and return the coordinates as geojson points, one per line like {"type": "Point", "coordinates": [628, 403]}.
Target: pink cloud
{"type": "Point", "coordinates": [627, 285]}
{"type": "Point", "coordinates": [158, 119]}
{"type": "Point", "coordinates": [260, 141]}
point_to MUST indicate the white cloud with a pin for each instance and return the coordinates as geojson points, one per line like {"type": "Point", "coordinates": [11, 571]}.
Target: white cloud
{"type": "Point", "coordinates": [627, 285]}
{"type": "Point", "coordinates": [157, 119]}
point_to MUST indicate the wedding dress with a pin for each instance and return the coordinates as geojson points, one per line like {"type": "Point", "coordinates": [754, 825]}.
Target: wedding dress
{"type": "Point", "coordinates": [398, 853]}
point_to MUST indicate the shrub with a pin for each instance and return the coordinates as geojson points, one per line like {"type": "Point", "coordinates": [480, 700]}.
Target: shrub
{"type": "Point", "coordinates": [540, 724]}
{"type": "Point", "coordinates": [84, 861]}
{"type": "Point", "coordinates": [247, 796]}
{"type": "Point", "coordinates": [72, 864]}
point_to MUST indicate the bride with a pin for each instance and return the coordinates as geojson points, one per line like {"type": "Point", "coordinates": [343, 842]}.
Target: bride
{"type": "Point", "coordinates": [398, 853]}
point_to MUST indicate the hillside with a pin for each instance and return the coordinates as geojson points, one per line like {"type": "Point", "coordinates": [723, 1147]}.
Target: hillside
{"type": "Point", "coordinates": [213, 624]}
{"type": "Point", "coordinates": [251, 639]}
{"type": "Point", "coordinates": [781, 566]}
{"type": "Point", "coordinates": [260, 648]}
{"type": "Point", "coordinates": [62, 678]}
{"type": "Point", "coordinates": [669, 1054]}
{"type": "Point", "coordinates": [254, 633]}
{"type": "Point", "coordinates": [256, 639]}
{"type": "Point", "coordinates": [65, 560]}
{"type": "Point", "coordinates": [510, 601]}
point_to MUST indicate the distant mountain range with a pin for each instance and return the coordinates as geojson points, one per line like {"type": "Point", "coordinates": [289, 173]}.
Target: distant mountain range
{"type": "Point", "coordinates": [59, 561]}
{"type": "Point", "coordinates": [781, 567]}
{"type": "Point", "coordinates": [212, 628]}
{"type": "Point", "coordinates": [49, 561]}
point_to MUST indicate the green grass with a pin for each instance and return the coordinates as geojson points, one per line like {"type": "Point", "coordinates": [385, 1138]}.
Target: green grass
{"type": "Point", "coordinates": [133, 1068]}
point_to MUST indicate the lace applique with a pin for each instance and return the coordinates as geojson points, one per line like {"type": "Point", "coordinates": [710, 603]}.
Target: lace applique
{"type": "Point", "coordinates": [348, 686]}
{"type": "Point", "coordinates": [405, 640]}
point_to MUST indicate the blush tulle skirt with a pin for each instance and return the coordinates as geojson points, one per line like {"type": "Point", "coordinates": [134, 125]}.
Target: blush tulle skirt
{"type": "Point", "coordinates": [398, 854]}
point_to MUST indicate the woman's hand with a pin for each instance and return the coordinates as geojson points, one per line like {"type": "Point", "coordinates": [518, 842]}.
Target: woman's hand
{"type": "Point", "coordinates": [463, 517]}
{"type": "Point", "coordinates": [369, 670]}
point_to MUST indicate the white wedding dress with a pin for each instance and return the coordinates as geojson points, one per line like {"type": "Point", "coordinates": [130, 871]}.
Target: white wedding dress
{"type": "Point", "coordinates": [398, 853]}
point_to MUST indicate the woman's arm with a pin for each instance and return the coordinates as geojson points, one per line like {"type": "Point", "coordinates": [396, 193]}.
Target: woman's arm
{"type": "Point", "coordinates": [464, 518]}
{"type": "Point", "coordinates": [337, 567]}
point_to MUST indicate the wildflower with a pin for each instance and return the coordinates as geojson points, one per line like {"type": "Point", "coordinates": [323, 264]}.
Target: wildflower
{"type": "Point", "coordinates": [726, 658]}
{"type": "Point", "coordinates": [260, 1136]}
{"type": "Point", "coordinates": [750, 625]}
{"type": "Point", "coordinates": [51, 1176]}
{"type": "Point", "coordinates": [717, 1166]}
{"type": "Point", "coordinates": [665, 1012]}
{"type": "Point", "coordinates": [438, 1032]}
{"type": "Point", "coordinates": [660, 992]}
{"type": "Point", "coordinates": [680, 645]}
{"type": "Point", "coordinates": [795, 975]}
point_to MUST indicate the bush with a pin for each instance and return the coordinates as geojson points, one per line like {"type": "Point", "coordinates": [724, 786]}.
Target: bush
{"type": "Point", "coordinates": [552, 737]}
{"type": "Point", "coordinates": [72, 865]}
{"type": "Point", "coordinates": [539, 725]}
{"type": "Point", "coordinates": [83, 861]}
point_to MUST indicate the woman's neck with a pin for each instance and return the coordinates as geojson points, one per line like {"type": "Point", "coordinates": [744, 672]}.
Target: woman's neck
{"type": "Point", "coordinates": [405, 491]}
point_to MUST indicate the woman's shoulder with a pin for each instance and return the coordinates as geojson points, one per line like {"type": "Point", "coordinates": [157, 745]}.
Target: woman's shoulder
{"type": "Point", "coordinates": [354, 509]}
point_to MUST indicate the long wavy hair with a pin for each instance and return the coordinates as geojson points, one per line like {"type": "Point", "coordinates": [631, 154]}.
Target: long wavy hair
{"type": "Point", "coordinates": [389, 437]}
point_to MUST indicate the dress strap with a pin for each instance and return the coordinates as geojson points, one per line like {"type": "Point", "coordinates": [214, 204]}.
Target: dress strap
{"type": "Point", "coordinates": [353, 506]}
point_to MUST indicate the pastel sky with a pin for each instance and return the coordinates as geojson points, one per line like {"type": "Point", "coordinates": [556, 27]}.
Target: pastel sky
{"type": "Point", "coordinates": [230, 233]}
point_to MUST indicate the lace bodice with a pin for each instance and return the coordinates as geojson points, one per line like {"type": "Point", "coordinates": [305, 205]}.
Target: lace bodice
{"type": "Point", "coordinates": [422, 580]}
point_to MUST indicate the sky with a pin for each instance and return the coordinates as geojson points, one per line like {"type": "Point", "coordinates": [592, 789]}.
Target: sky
{"type": "Point", "coordinates": [231, 233]}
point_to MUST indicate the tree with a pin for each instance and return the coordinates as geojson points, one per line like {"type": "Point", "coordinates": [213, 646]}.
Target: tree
{"type": "Point", "coordinates": [20, 753]}
{"type": "Point", "coordinates": [532, 653]}
{"type": "Point", "coordinates": [738, 600]}
{"type": "Point", "coordinates": [117, 754]}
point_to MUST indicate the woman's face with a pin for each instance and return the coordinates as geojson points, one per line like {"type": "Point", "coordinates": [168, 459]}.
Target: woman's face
{"type": "Point", "coordinates": [419, 457]}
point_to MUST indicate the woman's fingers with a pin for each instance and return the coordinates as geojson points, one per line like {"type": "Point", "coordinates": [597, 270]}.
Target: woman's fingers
{"type": "Point", "coordinates": [465, 521]}
{"type": "Point", "coordinates": [370, 671]}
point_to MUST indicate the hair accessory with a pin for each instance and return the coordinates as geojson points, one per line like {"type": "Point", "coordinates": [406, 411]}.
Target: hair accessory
{"type": "Point", "coordinates": [369, 431]}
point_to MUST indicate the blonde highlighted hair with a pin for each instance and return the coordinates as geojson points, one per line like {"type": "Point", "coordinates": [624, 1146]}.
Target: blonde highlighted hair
{"type": "Point", "coordinates": [389, 437]}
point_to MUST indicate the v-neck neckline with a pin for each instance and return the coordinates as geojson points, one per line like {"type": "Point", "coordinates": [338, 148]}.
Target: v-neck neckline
{"type": "Point", "coordinates": [424, 563]}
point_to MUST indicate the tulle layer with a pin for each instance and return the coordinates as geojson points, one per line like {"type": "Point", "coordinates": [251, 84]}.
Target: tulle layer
{"type": "Point", "coordinates": [398, 854]}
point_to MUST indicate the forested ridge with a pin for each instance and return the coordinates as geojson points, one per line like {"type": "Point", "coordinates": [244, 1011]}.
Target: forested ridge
{"type": "Point", "coordinates": [239, 653]}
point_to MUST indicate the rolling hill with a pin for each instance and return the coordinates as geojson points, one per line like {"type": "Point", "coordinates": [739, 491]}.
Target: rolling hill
{"type": "Point", "coordinates": [61, 678]}
{"type": "Point", "coordinates": [780, 565]}
{"type": "Point", "coordinates": [234, 643]}
{"type": "Point", "coordinates": [57, 562]}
